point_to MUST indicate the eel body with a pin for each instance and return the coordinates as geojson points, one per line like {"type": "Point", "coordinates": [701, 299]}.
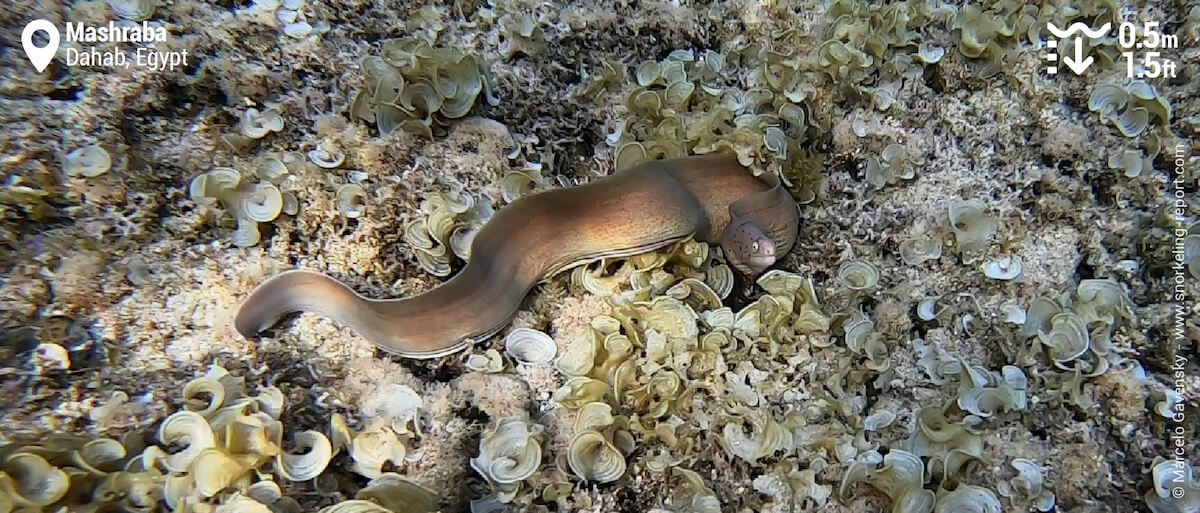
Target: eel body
{"type": "Point", "coordinates": [710, 198]}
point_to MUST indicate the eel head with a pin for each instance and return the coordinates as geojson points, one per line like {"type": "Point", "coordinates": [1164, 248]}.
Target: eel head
{"type": "Point", "coordinates": [749, 248]}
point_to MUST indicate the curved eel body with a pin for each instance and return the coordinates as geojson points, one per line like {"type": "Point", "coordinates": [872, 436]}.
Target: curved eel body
{"type": "Point", "coordinates": [710, 198]}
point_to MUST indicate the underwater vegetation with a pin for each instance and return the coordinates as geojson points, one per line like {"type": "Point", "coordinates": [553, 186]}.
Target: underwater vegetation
{"type": "Point", "coordinates": [992, 305]}
{"type": "Point", "coordinates": [415, 86]}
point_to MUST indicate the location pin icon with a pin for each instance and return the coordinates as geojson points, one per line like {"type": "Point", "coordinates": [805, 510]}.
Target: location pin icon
{"type": "Point", "coordinates": [40, 57]}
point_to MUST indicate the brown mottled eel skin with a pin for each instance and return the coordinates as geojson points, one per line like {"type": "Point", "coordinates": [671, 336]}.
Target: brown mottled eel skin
{"type": "Point", "coordinates": [711, 198]}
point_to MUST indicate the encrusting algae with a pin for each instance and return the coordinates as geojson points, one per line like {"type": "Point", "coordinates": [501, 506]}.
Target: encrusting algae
{"type": "Point", "coordinates": [990, 306]}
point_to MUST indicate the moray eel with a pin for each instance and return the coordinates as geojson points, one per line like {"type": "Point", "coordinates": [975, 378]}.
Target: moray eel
{"type": "Point", "coordinates": [645, 207]}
